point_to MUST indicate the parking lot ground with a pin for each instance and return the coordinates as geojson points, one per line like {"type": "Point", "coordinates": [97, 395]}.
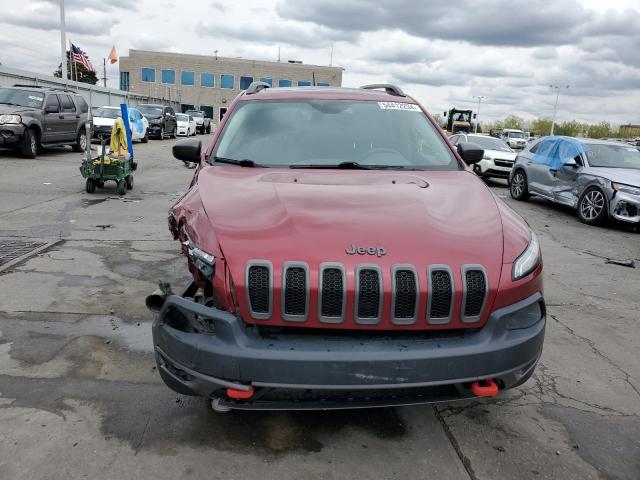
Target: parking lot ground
{"type": "Point", "coordinates": [80, 397]}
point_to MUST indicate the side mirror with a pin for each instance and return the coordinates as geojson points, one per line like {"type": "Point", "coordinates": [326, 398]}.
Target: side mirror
{"type": "Point", "coordinates": [470, 152]}
{"type": "Point", "coordinates": [51, 109]}
{"type": "Point", "coordinates": [571, 163]}
{"type": "Point", "coordinates": [188, 150]}
{"type": "Point", "coordinates": [444, 114]}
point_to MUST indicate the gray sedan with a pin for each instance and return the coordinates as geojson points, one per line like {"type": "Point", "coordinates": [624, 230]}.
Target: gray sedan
{"type": "Point", "coordinates": [600, 179]}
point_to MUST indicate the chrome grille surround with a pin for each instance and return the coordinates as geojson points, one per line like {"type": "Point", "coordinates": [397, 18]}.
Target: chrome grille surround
{"type": "Point", "coordinates": [430, 294]}
{"type": "Point", "coordinates": [331, 266]}
{"type": "Point", "coordinates": [394, 294]}
{"type": "Point", "coordinates": [368, 320]}
{"type": "Point", "coordinates": [283, 305]}
{"type": "Point", "coordinates": [259, 263]}
{"type": "Point", "coordinates": [473, 268]}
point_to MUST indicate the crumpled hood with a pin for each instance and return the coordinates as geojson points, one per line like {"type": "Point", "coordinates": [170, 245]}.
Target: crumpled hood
{"type": "Point", "coordinates": [420, 218]}
{"type": "Point", "coordinates": [628, 176]}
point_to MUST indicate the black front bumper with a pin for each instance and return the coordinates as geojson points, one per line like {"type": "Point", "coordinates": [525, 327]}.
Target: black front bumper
{"type": "Point", "coordinates": [332, 370]}
{"type": "Point", "coordinates": [11, 135]}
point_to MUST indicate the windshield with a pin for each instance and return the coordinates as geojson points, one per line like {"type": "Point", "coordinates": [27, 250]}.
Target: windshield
{"type": "Point", "coordinates": [329, 132]}
{"type": "Point", "coordinates": [106, 112]}
{"type": "Point", "coordinates": [21, 98]}
{"type": "Point", "coordinates": [612, 156]}
{"type": "Point", "coordinates": [490, 143]}
{"type": "Point", "coordinates": [149, 110]}
{"type": "Point", "coordinates": [461, 117]}
{"type": "Point", "coordinates": [194, 113]}
{"type": "Point", "coordinates": [181, 117]}
{"type": "Point", "coordinates": [515, 135]}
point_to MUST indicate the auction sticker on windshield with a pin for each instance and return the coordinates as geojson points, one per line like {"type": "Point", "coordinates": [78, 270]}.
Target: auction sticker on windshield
{"type": "Point", "coordinates": [409, 107]}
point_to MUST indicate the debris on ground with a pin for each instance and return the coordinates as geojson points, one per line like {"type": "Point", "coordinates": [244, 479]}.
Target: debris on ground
{"type": "Point", "coordinates": [622, 263]}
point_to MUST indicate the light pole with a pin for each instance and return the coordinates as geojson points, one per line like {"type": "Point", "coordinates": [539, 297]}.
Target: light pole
{"type": "Point", "coordinates": [63, 44]}
{"type": "Point", "coordinates": [480, 98]}
{"type": "Point", "coordinates": [555, 107]}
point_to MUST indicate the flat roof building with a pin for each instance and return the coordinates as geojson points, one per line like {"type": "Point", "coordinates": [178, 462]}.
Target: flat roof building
{"type": "Point", "coordinates": [210, 83]}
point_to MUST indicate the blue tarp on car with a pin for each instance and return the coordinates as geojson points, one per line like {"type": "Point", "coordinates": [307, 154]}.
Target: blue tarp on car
{"type": "Point", "coordinates": [556, 151]}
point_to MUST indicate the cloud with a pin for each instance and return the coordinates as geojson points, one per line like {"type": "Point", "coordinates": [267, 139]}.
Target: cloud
{"type": "Point", "coordinates": [43, 16]}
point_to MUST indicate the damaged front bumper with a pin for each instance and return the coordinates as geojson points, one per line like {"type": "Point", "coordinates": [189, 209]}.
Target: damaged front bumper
{"type": "Point", "coordinates": [625, 207]}
{"type": "Point", "coordinates": [328, 370]}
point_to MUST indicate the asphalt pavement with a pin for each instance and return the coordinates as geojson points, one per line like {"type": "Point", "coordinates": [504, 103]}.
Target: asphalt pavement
{"type": "Point", "coordinates": [80, 396]}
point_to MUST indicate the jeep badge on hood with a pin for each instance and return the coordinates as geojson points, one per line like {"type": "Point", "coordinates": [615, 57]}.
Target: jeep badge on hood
{"type": "Point", "coordinates": [379, 251]}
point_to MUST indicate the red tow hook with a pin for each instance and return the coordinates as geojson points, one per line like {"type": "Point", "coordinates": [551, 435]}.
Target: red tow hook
{"type": "Point", "coordinates": [485, 388]}
{"type": "Point", "coordinates": [240, 394]}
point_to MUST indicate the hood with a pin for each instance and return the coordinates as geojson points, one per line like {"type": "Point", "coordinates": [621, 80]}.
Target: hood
{"type": "Point", "coordinates": [419, 218]}
{"type": "Point", "coordinates": [182, 122]}
{"type": "Point", "coordinates": [628, 176]}
{"type": "Point", "coordinates": [152, 117]}
{"type": "Point", "coordinates": [500, 154]}
{"type": "Point", "coordinates": [12, 109]}
{"type": "Point", "coordinates": [103, 121]}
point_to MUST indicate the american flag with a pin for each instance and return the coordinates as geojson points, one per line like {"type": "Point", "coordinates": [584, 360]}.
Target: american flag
{"type": "Point", "coordinates": [80, 57]}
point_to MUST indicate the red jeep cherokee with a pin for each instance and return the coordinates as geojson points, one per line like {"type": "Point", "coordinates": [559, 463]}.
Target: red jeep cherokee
{"type": "Point", "coordinates": [343, 255]}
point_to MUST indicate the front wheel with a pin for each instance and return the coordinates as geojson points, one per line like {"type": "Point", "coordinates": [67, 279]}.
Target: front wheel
{"type": "Point", "coordinates": [519, 187]}
{"type": "Point", "coordinates": [121, 188]}
{"type": "Point", "coordinates": [29, 148]}
{"type": "Point", "coordinates": [129, 180]}
{"type": "Point", "coordinates": [592, 206]}
{"type": "Point", "coordinates": [161, 136]}
{"type": "Point", "coordinates": [90, 185]}
{"type": "Point", "coordinates": [145, 139]}
{"type": "Point", "coordinates": [208, 128]}
{"type": "Point", "coordinates": [81, 142]}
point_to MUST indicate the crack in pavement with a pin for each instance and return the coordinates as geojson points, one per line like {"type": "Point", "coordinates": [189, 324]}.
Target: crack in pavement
{"type": "Point", "coordinates": [466, 462]}
{"type": "Point", "coordinates": [588, 341]}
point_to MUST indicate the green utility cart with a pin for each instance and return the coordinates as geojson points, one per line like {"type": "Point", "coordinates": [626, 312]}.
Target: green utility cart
{"type": "Point", "coordinates": [98, 169]}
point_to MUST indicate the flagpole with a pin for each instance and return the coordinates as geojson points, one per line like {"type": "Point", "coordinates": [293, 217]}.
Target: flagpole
{"type": "Point", "coordinates": [104, 66]}
{"type": "Point", "coordinates": [63, 43]}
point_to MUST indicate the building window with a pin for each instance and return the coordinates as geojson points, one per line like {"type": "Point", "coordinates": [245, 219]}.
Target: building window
{"type": "Point", "coordinates": [284, 83]}
{"type": "Point", "coordinates": [207, 80]}
{"type": "Point", "coordinates": [208, 110]}
{"type": "Point", "coordinates": [124, 81]}
{"type": "Point", "coordinates": [188, 78]}
{"type": "Point", "coordinates": [245, 82]}
{"type": "Point", "coordinates": [227, 81]}
{"type": "Point", "coordinates": [168, 76]}
{"type": "Point", "coordinates": [323, 84]}
{"type": "Point", "coordinates": [304, 83]}
{"type": "Point", "coordinates": [268, 80]}
{"type": "Point", "coordinates": [148, 75]}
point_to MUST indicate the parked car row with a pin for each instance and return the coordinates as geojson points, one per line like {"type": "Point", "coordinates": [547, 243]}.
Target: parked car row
{"type": "Point", "coordinates": [105, 117]}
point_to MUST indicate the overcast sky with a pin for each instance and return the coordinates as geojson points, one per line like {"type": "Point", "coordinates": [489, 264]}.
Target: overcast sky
{"type": "Point", "coordinates": [442, 53]}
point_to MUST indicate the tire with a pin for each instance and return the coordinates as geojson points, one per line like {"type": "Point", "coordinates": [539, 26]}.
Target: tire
{"type": "Point", "coordinates": [121, 187]}
{"type": "Point", "coordinates": [518, 186]}
{"type": "Point", "coordinates": [593, 207]}
{"type": "Point", "coordinates": [100, 183]}
{"type": "Point", "coordinates": [175, 133]}
{"type": "Point", "coordinates": [129, 180]}
{"type": "Point", "coordinates": [81, 141]}
{"type": "Point", "coordinates": [29, 148]}
{"type": "Point", "coordinates": [208, 130]}
{"type": "Point", "coordinates": [145, 139]}
{"type": "Point", "coordinates": [90, 185]}
{"type": "Point", "coordinates": [161, 136]}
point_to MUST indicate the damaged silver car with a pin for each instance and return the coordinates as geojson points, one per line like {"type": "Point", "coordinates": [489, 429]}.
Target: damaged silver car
{"type": "Point", "coordinates": [600, 179]}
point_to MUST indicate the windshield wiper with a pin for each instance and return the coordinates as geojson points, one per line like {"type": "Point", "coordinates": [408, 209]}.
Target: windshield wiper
{"type": "Point", "coordinates": [9, 103]}
{"type": "Point", "coordinates": [344, 165]}
{"type": "Point", "coordinates": [245, 162]}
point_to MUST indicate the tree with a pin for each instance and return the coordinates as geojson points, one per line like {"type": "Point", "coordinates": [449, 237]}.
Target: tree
{"type": "Point", "coordinates": [439, 119]}
{"type": "Point", "coordinates": [569, 128]}
{"type": "Point", "coordinates": [512, 121]}
{"type": "Point", "coordinates": [600, 130]}
{"type": "Point", "coordinates": [541, 127]}
{"type": "Point", "coordinates": [84, 75]}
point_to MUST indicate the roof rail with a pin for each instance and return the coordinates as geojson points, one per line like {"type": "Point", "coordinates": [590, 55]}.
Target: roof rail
{"type": "Point", "coordinates": [29, 86]}
{"type": "Point", "coordinates": [388, 87]}
{"type": "Point", "coordinates": [48, 87]}
{"type": "Point", "coordinates": [256, 87]}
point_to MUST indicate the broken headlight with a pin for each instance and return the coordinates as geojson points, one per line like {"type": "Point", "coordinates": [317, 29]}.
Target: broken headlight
{"type": "Point", "coordinates": [621, 187]}
{"type": "Point", "coordinates": [202, 260]}
{"type": "Point", "coordinates": [528, 260]}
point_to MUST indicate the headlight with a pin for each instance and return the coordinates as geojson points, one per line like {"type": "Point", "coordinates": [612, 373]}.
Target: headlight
{"type": "Point", "coordinates": [202, 260]}
{"type": "Point", "coordinates": [528, 260]}
{"type": "Point", "coordinates": [621, 187]}
{"type": "Point", "coordinates": [10, 119]}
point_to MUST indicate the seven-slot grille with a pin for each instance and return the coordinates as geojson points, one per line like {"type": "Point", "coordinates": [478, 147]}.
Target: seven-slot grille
{"type": "Point", "coordinates": [369, 288]}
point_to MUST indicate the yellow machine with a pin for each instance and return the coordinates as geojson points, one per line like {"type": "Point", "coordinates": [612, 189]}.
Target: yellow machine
{"type": "Point", "coordinates": [458, 120]}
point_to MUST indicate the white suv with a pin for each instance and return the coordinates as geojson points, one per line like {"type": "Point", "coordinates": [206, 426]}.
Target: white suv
{"type": "Point", "coordinates": [498, 157]}
{"type": "Point", "coordinates": [514, 138]}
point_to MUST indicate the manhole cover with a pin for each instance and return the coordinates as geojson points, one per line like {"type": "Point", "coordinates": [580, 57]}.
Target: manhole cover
{"type": "Point", "coordinates": [14, 251]}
